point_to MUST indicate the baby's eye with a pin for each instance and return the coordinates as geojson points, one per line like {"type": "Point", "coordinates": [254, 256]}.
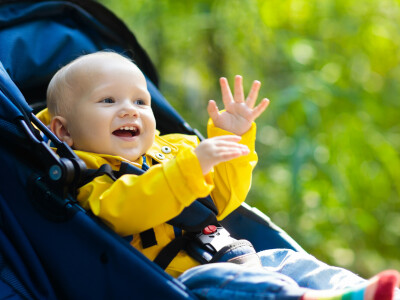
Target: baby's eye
{"type": "Point", "coordinates": [107, 100]}
{"type": "Point", "coordinates": [139, 102]}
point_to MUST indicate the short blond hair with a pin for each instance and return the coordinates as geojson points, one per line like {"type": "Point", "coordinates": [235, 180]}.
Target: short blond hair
{"type": "Point", "coordinates": [61, 87]}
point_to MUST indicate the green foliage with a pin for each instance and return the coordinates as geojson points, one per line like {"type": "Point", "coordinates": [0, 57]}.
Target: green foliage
{"type": "Point", "coordinates": [329, 165]}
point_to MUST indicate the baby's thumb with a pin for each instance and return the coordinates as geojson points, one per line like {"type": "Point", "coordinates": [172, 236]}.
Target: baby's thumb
{"type": "Point", "coordinates": [212, 109]}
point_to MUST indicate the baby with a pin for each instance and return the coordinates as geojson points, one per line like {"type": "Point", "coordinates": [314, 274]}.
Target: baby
{"type": "Point", "coordinates": [100, 106]}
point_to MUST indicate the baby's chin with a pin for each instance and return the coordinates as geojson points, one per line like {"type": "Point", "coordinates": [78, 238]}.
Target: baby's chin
{"type": "Point", "coordinates": [130, 157]}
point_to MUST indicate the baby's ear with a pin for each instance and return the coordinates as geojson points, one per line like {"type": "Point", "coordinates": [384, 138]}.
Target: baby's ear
{"type": "Point", "coordinates": [59, 127]}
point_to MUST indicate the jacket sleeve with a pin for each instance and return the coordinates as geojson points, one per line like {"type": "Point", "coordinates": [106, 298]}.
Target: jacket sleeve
{"type": "Point", "coordinates": [133, 204]}
{"type": "Point", "coordinates": [232, 179]}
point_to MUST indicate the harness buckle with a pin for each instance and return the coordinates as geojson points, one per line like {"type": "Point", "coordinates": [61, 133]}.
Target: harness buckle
{"type": "Point", "coordinates": [213, 238]}
{"type": "Point", "coordinates": [214, 244]}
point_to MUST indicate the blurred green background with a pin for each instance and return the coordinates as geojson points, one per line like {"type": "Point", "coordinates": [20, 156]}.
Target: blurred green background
{"type": "Point", "coordinates": [329, 165]}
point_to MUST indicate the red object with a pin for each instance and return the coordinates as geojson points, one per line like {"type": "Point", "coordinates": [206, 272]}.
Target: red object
{"type": "Point", "coordinates": [210, 229]}
{"type": "Point", "coordinates": [387, 281]}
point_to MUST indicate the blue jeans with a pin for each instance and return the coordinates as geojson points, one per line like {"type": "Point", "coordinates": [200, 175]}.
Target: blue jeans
{"type": "Point", "coordinates": [285, 275]}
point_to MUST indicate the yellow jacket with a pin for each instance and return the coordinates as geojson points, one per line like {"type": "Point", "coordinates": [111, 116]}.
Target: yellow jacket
{"type": "Point", "coordinates": [133, 204]}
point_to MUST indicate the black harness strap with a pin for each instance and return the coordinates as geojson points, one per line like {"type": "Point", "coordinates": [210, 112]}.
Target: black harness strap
{"type": "Point", "coordinates": [168, 253]}
{"type": "Point", "coordinates": [128, 169]}
{"type": "Point", "coordinates": [148, 238]}
{"type": "Point", "coordinates": [90, 174]}
{"type": "Point", "coordinates": [195, 217]}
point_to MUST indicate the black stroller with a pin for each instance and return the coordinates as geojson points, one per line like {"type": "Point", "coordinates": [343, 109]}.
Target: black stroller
{"type": "Point", "coordinates": [50, 248]}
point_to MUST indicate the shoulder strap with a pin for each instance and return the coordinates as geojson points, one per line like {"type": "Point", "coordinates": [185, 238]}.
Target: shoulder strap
{"type": "Point", "coordinates": [168, 253]}
{"type": "Point", "coordinates": [106, 169]}
{"type": "Point", "coordinates": [90, 174]}
{"type": "Point", "coordinates": [196, 216]}
{"type": "Point", "coordinates": [128, 169]}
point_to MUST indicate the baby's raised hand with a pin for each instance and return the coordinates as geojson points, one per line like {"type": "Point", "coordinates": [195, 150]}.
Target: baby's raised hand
{"type": "Point", "coordinates": [213, 151]}
{"type": "Point", "coordinates": [239, 112]}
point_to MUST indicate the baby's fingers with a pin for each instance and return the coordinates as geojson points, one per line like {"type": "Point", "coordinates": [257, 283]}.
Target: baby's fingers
{"type": "Point", "coordinates": [227, 97]}
{"type": "Point", "coordinates": [228, 145]}
{"type": "Point", "coordinates": [227, 138]}
{"type": "Point", "coordinates": [238, 89]}
{"type": "Point", "coordinates": [229, 154]}
{"type": "Point", "coordinates": [253, 94]}
{"type": "Point", "coordinates": [229, 150]}
{"type": "Point", "coordinates": [212, 109]}
{"type": "Point", "coordinates": [260, 108]}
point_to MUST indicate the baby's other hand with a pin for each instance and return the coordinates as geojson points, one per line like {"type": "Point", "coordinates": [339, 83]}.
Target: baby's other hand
{"type": "Point", "coordinates": [213, 151]}
{"type": "Point", "coordinates": [239, 112]}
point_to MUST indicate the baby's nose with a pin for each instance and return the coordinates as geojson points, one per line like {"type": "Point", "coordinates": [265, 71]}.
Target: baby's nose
{"type": "Point", "coordinates": [129, 109]}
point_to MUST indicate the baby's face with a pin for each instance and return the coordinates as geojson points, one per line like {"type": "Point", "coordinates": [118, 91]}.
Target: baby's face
{"type": "Point", "coordinates": [111, 111]}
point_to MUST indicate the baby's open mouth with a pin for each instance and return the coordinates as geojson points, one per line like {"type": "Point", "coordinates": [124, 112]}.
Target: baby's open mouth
{"type": "Point", "coordinates": [126, 131]}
